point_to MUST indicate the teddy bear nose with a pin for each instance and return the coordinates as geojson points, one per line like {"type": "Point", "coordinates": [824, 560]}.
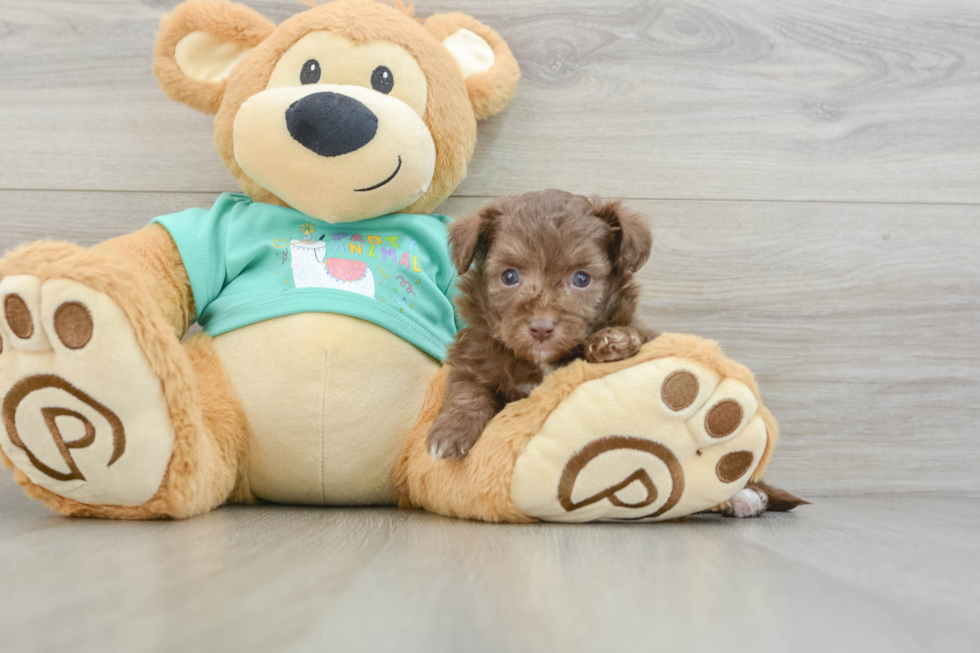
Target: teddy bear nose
{"type": "Point", "coordinates": [331, 124]}
{"type": "Point", "coordinates": [542, 329]}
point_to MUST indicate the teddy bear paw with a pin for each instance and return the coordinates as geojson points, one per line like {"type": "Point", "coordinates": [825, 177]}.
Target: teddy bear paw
{"type": "Point", "coordinates": [84, 416]}
{"type": "Point", "coordinates": [656, 441]}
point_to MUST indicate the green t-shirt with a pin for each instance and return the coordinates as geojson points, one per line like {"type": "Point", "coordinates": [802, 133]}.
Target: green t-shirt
{"type": "Point", "coordinates": [250, 262]}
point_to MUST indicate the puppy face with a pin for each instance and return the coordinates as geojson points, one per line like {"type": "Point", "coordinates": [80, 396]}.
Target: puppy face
{"type": "Point", "coordinates": [550, 268]}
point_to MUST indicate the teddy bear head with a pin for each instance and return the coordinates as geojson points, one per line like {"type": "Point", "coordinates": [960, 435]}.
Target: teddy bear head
{"type": "Point", "coordinates": [349, 110]}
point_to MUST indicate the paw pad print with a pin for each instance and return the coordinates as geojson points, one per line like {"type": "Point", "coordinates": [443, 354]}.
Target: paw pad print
{"type": "Point", "coordinates": [659, 440]}
{"type": "Point", "coordinates": [82, 414]}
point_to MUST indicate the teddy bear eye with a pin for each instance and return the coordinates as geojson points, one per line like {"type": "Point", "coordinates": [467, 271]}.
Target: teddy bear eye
{"type": "Point", "coordinates": [382, 80]}
{"type": "Point", "coordinates": [510, 277]}
{"type": "Point", "coordinates": [311, 72]}
{"type": "Point", "coordinates": [581, 279]}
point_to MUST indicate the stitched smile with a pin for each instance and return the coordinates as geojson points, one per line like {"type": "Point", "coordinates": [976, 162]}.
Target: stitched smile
{"type": "Point", "coordinates": [377, 186]}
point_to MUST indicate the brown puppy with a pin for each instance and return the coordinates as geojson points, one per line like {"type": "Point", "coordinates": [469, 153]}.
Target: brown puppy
{"type": "Point", "coordinates": [551, 281]}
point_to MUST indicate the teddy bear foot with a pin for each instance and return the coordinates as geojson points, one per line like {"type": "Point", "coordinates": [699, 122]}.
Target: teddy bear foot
{"type": "Point", "coordinates": [85, 417]}
{"type": "Point", "coordinates": [689, 440]}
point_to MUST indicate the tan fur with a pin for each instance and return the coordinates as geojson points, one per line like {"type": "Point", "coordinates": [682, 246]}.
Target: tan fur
{"type": "Point", "coordinates": [152, 250]}
{"type": "Point", "coordinates": [313, 439]}
{"type": "Point", "coordinates": [224, 419]}
{"type": "Point", "coordinates": [232, 23]}
{"type": "Point", "coordinates": [202, 470]}
{"type": "Point", "coordinates": [479, 486]}
{"type": "Point", "coordinates": [408, 10]}
{"type": "Point", "coordinates": [492, 90]}
{"type": "Point", "coordinates": [452, 109]}
{"type": "Point", "coordinates": [144, 276]}
{"type": "Point", "coordinates": [143, 273]}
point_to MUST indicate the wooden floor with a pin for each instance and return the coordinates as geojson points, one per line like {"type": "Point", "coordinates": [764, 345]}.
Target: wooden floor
{"type": "Point", "coordinates": [891, 574]}
{"type": "Point", "coordinates": [812, 171]}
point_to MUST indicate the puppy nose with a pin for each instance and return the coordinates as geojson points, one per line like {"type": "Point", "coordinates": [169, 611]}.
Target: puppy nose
{"type": "Point", "coordinates": [542, 329]}
{"type": "Point", "coordinates": [331, 124]}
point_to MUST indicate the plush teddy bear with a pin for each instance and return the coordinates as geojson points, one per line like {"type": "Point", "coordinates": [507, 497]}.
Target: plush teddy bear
{"type": "Point", "coordinates": [325, 296]}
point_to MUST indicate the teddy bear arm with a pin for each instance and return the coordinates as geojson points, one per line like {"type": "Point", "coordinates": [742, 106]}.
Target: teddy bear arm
{"type": "Point", "coordinates": [151, 255]}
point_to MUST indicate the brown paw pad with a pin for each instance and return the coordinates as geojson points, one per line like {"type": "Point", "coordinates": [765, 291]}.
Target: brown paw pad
{"type": "Point", "coordinates": [679, 390]}
{"type": "Point", "coordinates": [723, 418]}
{"type": "Point", "coordinates": [18, 316]}
{"type": "Point", "coordinates": [732, 466]}
{"type": "Point", "coordinates": [73, 324]}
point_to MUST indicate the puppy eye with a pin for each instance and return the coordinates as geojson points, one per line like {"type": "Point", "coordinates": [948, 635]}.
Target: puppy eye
{"type": "Point", "coordinates": [510, 277]}
{"type": "Point", "coordinates": [382, 80]}
{"type": "Point", "coordinates": [311, 72]}
{"type": "Point", "coordinates": [581, 279]}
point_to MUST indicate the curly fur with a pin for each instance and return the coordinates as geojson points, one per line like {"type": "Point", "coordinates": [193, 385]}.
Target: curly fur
{"type": "Point", "coordinates": [546, 238]}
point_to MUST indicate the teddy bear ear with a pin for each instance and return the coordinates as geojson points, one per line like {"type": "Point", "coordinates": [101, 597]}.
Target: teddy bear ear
{"type": "Point", "coordinates": [489, 68]}
{"type": "Point", "coordinates": [198, 46]}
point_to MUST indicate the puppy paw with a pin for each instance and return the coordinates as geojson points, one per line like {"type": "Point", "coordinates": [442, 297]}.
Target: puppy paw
{"type": "Point", "coordinates": [452, 439]}
{"type": "Point", "coordinates": [612, 344]}
{"type": "Point", "coordinates": [747, 502]}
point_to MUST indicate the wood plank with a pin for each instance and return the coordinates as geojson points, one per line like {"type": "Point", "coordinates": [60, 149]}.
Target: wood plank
{"type": "Point", "coordinates": [861, 321]}
{"type": "Point", "coordinates": [878, 573]}
{"type": "Point", "coordinates": [741, 99]}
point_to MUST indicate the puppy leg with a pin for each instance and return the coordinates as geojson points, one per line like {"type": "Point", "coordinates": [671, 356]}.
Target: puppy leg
{"type": "Point", "coordinates": [758, 497]}
{"type": "Point", "coordinates": [465, 413]}
{"type": "Point", "coordinates": [613, 344]}
{"type": "Point", "coordinates": [747, 502]}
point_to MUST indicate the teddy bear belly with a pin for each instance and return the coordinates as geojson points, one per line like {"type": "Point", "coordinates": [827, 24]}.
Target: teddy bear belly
{"type": "Point", "coordinates": [330, 400]}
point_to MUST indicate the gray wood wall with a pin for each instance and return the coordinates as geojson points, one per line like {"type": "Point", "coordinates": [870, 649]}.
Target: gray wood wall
{"type": "Point", "coordinates": [811, 168]}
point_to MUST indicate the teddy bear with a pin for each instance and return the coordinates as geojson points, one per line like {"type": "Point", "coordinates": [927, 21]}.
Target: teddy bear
{"type": "Point", "coordinates": [324, 292]}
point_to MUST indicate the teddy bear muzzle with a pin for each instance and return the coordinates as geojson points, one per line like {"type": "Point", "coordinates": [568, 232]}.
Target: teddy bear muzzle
{"type": "Point", "coordinates": [331, 124]}
{"type": "Point", "coordinates": [335, 152]}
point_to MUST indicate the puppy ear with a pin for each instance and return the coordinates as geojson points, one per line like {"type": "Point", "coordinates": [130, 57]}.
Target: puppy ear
{"type": "Point", "coordinates": [470, 237]}
{"type": "Point", "coordinates": [488, 66]}
{"type": "Point", "coordinates": [631, 242]}
{"type": "Point", "coordinates": [199, 44]}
